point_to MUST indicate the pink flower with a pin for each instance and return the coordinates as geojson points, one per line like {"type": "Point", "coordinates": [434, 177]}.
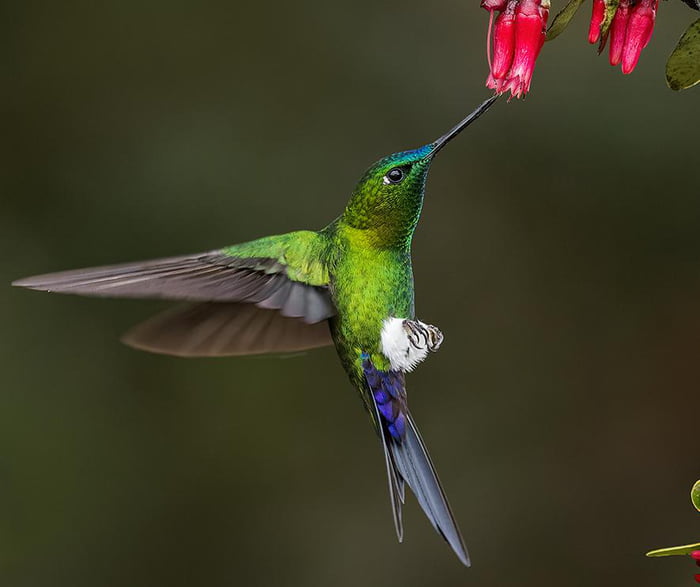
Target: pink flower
{"type": "Point", "coordinates": [630, 31]}
{"type": "Point", "coordinates": [639, 29]}
{"type": "Point", "coordinates": [696, 555]}
{"type": "Point", "coordinates": [518, 35]}
{"type": "Point", "coordinates": [596, 21]}
{"type": "Point", "coordinates": [503, 43]}
{"type": "Point", "coordinates": [618, 29]}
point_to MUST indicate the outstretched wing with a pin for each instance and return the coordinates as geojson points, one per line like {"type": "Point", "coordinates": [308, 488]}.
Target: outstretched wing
{"type": "Point", "coordinates": [407, 458]}
{"type": "Point", "coordinates": [284, 273]}
{"type": "Point", "coordinates": [212, 329]}
{"type": "Point", "coordinates": [284, 277]}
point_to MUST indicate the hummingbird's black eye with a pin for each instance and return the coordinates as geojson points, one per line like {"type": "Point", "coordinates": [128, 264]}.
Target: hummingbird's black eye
{"type": "Point", "coordinates": [394, 176]}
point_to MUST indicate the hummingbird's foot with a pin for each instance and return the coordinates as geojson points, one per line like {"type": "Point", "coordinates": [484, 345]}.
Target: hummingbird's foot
{"type": "Point", "coordinates": [422, 335]}
{"type": "Point", "coordinates": [407, 342]}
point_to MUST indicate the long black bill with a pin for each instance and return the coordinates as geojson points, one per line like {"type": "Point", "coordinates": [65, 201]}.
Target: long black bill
{"type": "Point", "coordinates": [453, 132]}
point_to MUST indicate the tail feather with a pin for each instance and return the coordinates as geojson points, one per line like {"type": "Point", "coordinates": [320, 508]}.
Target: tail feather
{"type": "Point", "coordinates": [396, 483]}
{"type": "Point", "coordinates": [396, 492]}
{"type": "Point", "coordinates": [407, 460]}
{"type": "Point", "coordinates": [413, 465]}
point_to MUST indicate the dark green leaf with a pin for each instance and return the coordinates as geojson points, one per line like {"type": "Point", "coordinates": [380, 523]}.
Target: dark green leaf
{"type": "Point", "coordinates": [562, 19]}
{"type": "Point", "coordinates": [694, 4]}
{"type": "Point", "coordinates": [683, 66]}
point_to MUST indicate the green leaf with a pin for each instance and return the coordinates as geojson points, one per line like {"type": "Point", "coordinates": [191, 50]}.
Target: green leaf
{"type": "Point", "coordinates": [562, 19]}
{"type": "Point", "coordinates": [610, 10]}
{"type": "Point", "coordinates": [675, 550]}
{"type": "Point", "coordinates": [683, 66]}
{"type": "Point", "coordinates": [694, 4]}
{"type": "Point", "coordinates": [695, 497]}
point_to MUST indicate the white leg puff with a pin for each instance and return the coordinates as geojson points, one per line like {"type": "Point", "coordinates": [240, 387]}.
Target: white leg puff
{"type": "Point", "coordinates": [407, 342]}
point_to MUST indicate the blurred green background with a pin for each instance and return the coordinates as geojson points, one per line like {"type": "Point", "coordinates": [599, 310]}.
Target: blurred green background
{"type": "Point", "coordinates": [559, 252]}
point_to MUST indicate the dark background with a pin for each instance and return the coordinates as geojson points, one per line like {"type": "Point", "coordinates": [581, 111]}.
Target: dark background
{"type": "Point", "coordinates": [559, 252]}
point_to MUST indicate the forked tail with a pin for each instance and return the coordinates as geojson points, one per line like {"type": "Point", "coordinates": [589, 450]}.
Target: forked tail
{"type": "Point", "coordinates": [407, 459]}
{"type": "Point", "coordinates": [413, 465]}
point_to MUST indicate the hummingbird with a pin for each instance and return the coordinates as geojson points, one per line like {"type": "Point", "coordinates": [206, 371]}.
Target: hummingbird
{"type": "Point", "coordinates": [349, 285]}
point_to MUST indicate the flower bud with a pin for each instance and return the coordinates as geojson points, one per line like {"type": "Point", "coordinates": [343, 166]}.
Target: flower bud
{"type": "Point", "coordinates": [597, 18]}
{"type": "Point", "coordinates": [618, 30]}
{"type": "Point", "coordinates": [639, 29]}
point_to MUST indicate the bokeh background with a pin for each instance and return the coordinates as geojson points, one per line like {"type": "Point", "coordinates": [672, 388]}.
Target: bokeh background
{"type": "Point", "coordinates": [559, 251]}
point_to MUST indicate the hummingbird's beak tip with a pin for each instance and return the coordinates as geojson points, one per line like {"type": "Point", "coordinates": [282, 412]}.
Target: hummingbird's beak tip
{"type": "Point", "coordinates": [453, 132]}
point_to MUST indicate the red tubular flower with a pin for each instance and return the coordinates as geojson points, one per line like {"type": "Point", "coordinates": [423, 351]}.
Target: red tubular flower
{"type": "Point", "coordinates": [518, 36]}
{"type": "Point", "coordinates": [638, 35]}
{"type": "Point", "coordinates": [503, 42]}
{"type": "Point", "coordinates": [596, 21]}
{"type": "Point", "coordinates": [618, 29]}
{"type": "Point", "coordinates": [530, 27]}
{"type": "Point", "coordinates": [630, 31]}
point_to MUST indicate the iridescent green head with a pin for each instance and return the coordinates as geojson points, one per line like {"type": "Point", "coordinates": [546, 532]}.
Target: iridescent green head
{"type": "Point", "coordinates": [387, 201]}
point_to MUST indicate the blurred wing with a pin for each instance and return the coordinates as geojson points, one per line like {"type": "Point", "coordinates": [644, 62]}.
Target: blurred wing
{"type": "Point", "coordinates": [225, 329]}
{"type": "Point", "coordinates": [282, 273]}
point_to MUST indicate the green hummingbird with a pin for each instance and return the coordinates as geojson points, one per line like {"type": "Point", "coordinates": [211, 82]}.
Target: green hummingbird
{"type": "Point", "coordinates": [349, 284]}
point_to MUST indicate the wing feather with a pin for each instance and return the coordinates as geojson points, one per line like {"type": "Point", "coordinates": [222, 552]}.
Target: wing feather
{"type": "Point", "coordinates": [205, 277]}
{"type": "Point", "coordinates": [225, 329]}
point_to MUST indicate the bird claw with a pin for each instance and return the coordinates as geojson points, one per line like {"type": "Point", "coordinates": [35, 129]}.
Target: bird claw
{"type": "Point", "coordinates": [421, 335]}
